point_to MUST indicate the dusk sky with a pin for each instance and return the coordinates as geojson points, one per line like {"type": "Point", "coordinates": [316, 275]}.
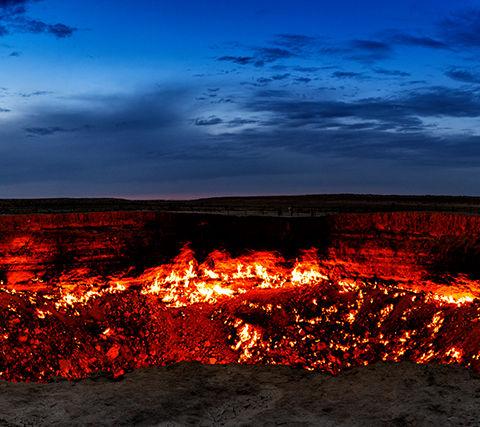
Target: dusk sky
{"type": "Point", "coordinates": [182, 99]}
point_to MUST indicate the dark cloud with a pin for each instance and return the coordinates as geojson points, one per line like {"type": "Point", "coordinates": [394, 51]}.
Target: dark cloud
{"type": "Point", "coordinates": [266, 55]}
{"type": "Point", "coordinates": [403, 113]}
{"type": "Point", "coordinates": [361, 50]}
{"type": "Point", "coordinates": [442, 101]}
{"type": "Point", "coordinates": [463, 75]}
{"type": "Point", "coordinates": [160, 139]}
{"type": "Point", "coordinates": [34, 93]}
{"type": "Point", "coordinates": [346, 75]}
{"type": "Point", "coordinates": [209, 121]}
{"type": "Point", "coordinates": [371, 45]}
{"type": "Point", "coordinates": [393, 73]}
{"type": "Point", "coordinates": [13, 18]}
{"type": "Point", "coordinates": [13, 3]}
{"type": "Point", "coordinates": [10, 8]}
{"type": "Point", "coordinates": [108, 138]}
{"type": "Point", "coordinates": [260, 56]}
{"type": "Point", "coordinates": [143, 144]}
{"type": "Point", "coordinates": [296, 113]}
{"type": "Point", "coordinates": [45, 131]}
{"type": "Point", "coordinates": [263, 80]}
{"type": "Point", "coordinates": [419, 41]}
{"type": "Point", "coordinates": [239, 60]}
{"type": "Point", "coordinates": [280, 76]}
{"type": "Point", "coordinates": [369, 50]}
{"type": "Point", "coordinates": [458, 30]}
{"type": "Point", "coordinates": [462, 29]}
{"type": "Point", "coordinates": [238, 121]}
{"type": "Point", "coordinates": [60, 30]}
{"type": "Point", "coordinates": [34, 26]}
{"type": "Point", "coordinates": [283, 46]}
{"type": "Point", "coordinates": [366, 141]}
{"type": "Point", "coordinates": [303, 79]}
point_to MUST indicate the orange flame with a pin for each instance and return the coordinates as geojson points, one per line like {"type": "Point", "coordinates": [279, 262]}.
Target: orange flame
{"type": "Point", "coordinates": [256, 308]}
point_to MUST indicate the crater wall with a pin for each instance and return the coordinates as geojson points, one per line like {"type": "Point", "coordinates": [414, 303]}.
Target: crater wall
{"type": "Point", "coordinates": [387, 245]}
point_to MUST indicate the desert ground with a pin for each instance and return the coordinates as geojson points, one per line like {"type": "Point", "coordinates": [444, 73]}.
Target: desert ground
{"type": "Point", "coordinates": [306, 205]}
{"type": "Point", "coordinates": [402, 394]}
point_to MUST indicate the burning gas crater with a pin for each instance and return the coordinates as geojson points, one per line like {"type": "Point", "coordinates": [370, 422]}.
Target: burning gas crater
{"type": "Point", "coordinates": [257, 309]}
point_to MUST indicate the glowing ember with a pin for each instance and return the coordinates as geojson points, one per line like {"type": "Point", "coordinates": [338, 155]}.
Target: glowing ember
{"type": "Point", "coordinates": [258, 308]}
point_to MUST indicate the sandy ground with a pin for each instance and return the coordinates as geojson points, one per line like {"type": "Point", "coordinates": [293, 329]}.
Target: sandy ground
{"type": "Point", "coordinates": [383, 394]}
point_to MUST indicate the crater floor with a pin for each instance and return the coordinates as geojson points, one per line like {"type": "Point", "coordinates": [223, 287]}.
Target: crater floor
{"type": "Point", "coordinates": [381, 394]}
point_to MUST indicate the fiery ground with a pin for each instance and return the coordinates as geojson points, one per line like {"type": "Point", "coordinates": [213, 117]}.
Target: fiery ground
{"type": "Point", "coordinates": [255, 309]}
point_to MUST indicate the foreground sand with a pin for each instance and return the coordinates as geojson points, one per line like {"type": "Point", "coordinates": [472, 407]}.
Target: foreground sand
{"type": "Point", "coordinates": [383, 394]}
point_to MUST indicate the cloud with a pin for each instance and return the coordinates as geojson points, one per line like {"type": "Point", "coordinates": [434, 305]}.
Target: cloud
{"type": "Point", "coordinates": [268, 55]}
{"type": "Point", "coordinates": [403, 113]}
{"type": "Point", "coordinates": [262, 81]}
{"type": "Point", "coordinates": [260, 56]}
{"type": "Point", "coordinates": [239, 60]}
{"type": "Point", "coordinates": [14, 7]}
{"type": "Point", "coordinates": [361, 50]}
{"type": "Point", "coordinates": [442, 101]}
{"type": "Point", "coordinates": [459, 30]}
{"type": "Point", "coordinates": [14, 19]}
{"type": "Point", "coordinates": [462, 29]}
{"type": "Point", "coordinates": [238, 121]}
{"type": "Point", "coordinates": [209, 121]}
{"type": "Point", "coordinates": [280, 76]}
{"type": "Point", "coordinates": [294, 113]}
{"type": "Point", "coordinates": [418, 41]}
{"type": "Point", "coordinates": [34, 93]}
{"type": "Point", "coordinates": [103, 138]}
{"type": "Point", "coordinates": [365, 50]}
{"type": "Point", "coordinates": [301, 69]}
{"type": "Point", "coordinates": [214, 121]}
{"type": "Point", "coordinates": [45, 131]}
{"type": "Point", "coordinates": [61, 30]}
{"type": "Point", "coordinates": [365, 142]}
{"type": "Point", "coordinates": [13, 3]}
{"type": "Point", "coordinates": [371, 45]}
{"type": "Point", "coordinates": [463, 75]}
{"type": "Point", "coordinates": [144, 143]}
{"type": "Point", "coordinates": [34, 26]}
{"type": "Point", "coordinates": [346, 75]}
{"type": "Point", "coordinates": [161, 139]}
{"type": "Point", "coordinates": [303, 79]}
{"type": "Point", "coordinates": [283, 46]}
{"type": "Point", "coordinates": [393, 73]}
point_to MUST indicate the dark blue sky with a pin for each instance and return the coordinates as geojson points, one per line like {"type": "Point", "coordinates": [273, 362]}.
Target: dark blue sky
{"type": "Point", "coordinates": [201, 98]}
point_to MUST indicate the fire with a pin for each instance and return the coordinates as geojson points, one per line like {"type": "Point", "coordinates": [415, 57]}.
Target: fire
{"type": "Point", "coordinates": [256, 308]}
{"type": "Point", "coordinates": [185, 282]}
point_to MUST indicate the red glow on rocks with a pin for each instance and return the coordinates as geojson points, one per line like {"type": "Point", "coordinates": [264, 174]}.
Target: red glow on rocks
{"type": "Point", "coordinates": [258, 308]}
